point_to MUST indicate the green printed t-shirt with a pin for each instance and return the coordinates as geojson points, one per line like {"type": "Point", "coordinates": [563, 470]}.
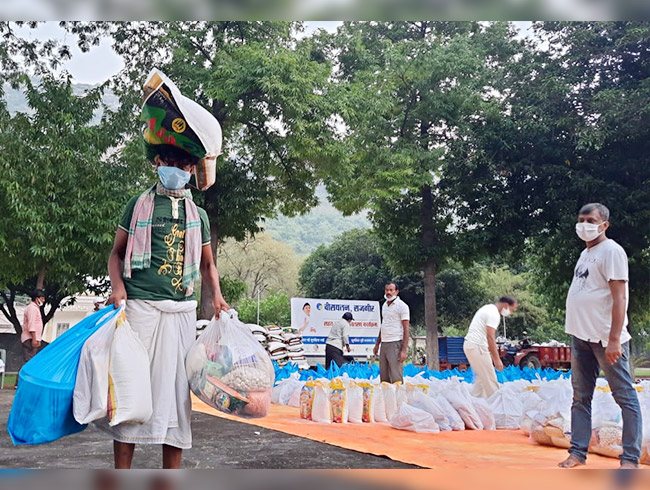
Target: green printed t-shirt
{"type": "Point", "coordinates": [163, 279]}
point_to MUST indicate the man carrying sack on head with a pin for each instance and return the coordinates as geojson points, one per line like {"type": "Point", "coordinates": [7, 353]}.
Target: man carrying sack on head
{"type": "Point", "coordinates": [162, 246]}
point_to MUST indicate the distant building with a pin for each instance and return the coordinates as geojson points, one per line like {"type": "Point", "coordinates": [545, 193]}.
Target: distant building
{"type": "Point", "coordinates": [63, 319]}
{"type": "Point", "coordinates": [5, 325]}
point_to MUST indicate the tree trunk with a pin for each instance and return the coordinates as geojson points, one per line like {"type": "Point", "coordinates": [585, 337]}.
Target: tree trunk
{"type": "Point", "coordinates": [40, 280]}
{"type": "Point", "coordinates": [9, 310]}
{"type": "Point", "coordinates": [431, 315]}
{"type": "Point", "coordinates": [206, 311]}
{"type": "Point", "coordinates": [430, 309]}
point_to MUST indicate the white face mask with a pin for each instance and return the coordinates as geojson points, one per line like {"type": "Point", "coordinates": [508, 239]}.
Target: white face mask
{"type": "Point", "coordinates": [588, 232]}
{"type": "Point", "coordinates": [390, 298]}
{"type": "Point", "coordinates": [505, 312]}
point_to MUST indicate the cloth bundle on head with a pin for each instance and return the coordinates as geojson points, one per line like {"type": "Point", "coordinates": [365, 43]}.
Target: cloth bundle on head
{"type": "Point", "coordinates": [173, 119]}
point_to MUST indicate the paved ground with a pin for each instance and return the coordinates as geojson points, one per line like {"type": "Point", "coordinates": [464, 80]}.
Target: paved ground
{"type": "Point", "coordinates": [218, 443]}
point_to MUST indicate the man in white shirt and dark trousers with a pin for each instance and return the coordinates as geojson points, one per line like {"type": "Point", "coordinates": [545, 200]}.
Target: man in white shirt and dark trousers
{"type": "Point", "coordinates": [337, 340]}
{"type": "Point", "coordinates": [596, 318]}
{"type": "Point", "coordinates": [480, 345]}
{"type": "Point", "coordinates": [393, 335]}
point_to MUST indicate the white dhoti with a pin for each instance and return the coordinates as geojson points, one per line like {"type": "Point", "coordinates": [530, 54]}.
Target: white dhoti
{"type": "Point", "coordinates": [485, 379]}
{"type": "Point", "coordinates": [167, 330]}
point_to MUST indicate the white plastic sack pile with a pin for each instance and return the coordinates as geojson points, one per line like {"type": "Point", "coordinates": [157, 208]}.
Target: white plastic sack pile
{"type": "Point", "coordinates": [507, 409]}
{"type": "Point", "coordinates": [428, 404]}
{"type": "Point", "coordinates": [464, 408]}
{"type": "Point", "coordinates": [485, 413]}
{"type": "Point", "coordinates": [415, 420]}
{"type": "Point", "coordinates": [455, 420]}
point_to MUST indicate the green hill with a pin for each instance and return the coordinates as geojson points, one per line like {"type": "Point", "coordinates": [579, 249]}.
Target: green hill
{"type": "Point", "coordinates": [318, 227]}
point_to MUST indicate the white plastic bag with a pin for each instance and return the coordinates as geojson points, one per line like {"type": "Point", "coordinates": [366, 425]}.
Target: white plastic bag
{"type": "Point", "coordinates": [507, 409]}
{"type": "Point", "coordinates": [529, 401]}
{"type": "Point", "coordinates": [236, 375]}
{"type": "Point", "coordinates": [321, 410]}
{"type": "Point", "coordinates": [129, 378]}
{"type": "Point", "coordinates": [379, 405]}
{"type": "Point", "coordinates": [455, 420]}
{"type": "Point", "coordinates": [277, 390]}
{"type": "Point", "coordinates": [288, 390]}
{"type": "Point", "coordinates": [429, 405]}
{"type": "Point", "coordinates": [604, 409]}
{"type": "Point", "coordinates": [414, 419]}
{"type": "Point", "coordinates": [403, 392]}
{"type": "Point", "coordinates": [90, 400]}
{"type": "Point", "coordinates": [530, 418]}
{"type": "Point", "coordinates": [485, 413]}
{"type": "Point", "coordinates": [557, 396]}
{"type": "Point", "coordinates": [294, 400]}
{"type": "Point", "coordinates": [464, 408]}
{"type": "Point", "coordinates": [355, 404]}
{"type": "Point", "coordinates": [390, 399]}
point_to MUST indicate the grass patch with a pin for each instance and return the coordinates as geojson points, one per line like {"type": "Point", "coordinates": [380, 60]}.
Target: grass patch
{"type": "Point", "coordinates": [10, 380]}
{"type": "Point", "coordinates": [642, 372]}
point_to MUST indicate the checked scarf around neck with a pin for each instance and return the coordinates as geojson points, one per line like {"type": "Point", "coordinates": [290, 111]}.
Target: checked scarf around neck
{"type": "Point", "coordinates": [138, 245]}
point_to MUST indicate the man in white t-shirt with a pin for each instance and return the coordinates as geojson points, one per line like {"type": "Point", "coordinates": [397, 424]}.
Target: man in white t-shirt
{"type": "Point", "coordinates": [596, 318]}
{"type": "Point", "coordinates": [393, 335]}
{"type": "Point", "coordinates": [480, 345]}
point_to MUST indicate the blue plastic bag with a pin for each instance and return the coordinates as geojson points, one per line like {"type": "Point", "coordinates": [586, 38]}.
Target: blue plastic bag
{"type": "Point", "coordinates": [42, 408]}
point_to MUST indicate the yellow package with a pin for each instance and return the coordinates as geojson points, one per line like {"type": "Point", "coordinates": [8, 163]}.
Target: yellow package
{"type": "Point", "coordinates": [307, 400]}
{"type": "Point", "coordinates": [338, 401]}
{"type": "Point", "coordinates": [368, 402]}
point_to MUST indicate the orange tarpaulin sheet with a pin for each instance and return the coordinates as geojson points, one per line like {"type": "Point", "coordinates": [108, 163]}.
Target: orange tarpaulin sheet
{"type": "Point", "coordinates": [502, 449]}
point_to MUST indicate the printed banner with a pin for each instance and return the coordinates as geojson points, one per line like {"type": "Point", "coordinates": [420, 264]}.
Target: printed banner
{"type": "Point", "coordinates": [314, 317]}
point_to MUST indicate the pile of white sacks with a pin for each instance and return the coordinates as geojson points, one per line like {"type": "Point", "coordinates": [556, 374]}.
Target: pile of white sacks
{"type": "Point", "coordinates": [540, 409]}
{"type": "Point", "coordinates": [284, 345]}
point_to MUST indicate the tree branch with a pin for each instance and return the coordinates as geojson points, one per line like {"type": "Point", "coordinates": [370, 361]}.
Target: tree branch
{"type": "Point", "coordinates": [203, 51]}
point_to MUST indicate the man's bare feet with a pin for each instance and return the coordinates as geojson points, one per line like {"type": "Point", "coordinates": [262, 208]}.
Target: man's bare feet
{"type": "Point", "coordinates": [627, 465]}
{"type": "Point", "coordinates": [571, 462]}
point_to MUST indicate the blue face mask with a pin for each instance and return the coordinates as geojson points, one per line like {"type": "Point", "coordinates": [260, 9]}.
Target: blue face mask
{"type": "Point", "coordinates": [173, 178]}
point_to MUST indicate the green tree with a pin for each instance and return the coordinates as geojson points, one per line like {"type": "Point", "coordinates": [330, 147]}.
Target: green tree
{"type": "Point", "coordinates": [261, 263]}
{"type": "Point", "coordinates": [406, 91]}
{"type": "Point", "coordinates": [232, 288]}
{"type": "Point", "coordinates": [275, 309]}
{"type": "Point", "coordinates": [573, 130]}
{"type": "Point", "coordinates": [58, 193]}
{"type": "Point", "coordinates": [460, 293]}
{"type": "Point", "coordinates": [350, 268]}
{"type": "Point", "coordinates": [266, 90]}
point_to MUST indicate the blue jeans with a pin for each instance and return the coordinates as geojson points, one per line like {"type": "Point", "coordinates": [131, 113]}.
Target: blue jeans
{"type": "Point", "coordinates": [586, 360]}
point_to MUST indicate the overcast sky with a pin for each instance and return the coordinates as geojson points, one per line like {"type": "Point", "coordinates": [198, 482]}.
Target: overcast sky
{"type": "Point", "coordinates": [102, 63]}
